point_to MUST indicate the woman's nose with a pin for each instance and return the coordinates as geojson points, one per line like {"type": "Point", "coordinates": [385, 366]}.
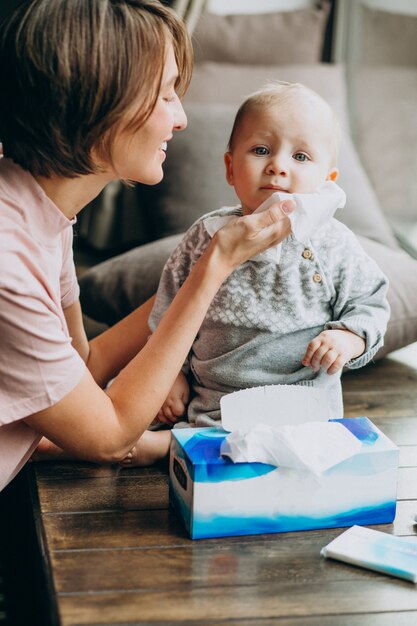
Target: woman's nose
{"type": "Point", "coordinates": [180, 119]}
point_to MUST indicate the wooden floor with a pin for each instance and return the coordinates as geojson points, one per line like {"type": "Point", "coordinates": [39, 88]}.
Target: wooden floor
{"type": "Point", "coordinates": [116, 554]}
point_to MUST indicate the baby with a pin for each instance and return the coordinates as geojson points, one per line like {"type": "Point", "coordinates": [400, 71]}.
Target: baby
{"type": "Point", "coordinates": [296, 320]}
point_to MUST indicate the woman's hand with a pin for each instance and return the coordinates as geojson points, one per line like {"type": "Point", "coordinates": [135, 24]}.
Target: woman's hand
{"type": "Point", "coordinates": [252, 234]}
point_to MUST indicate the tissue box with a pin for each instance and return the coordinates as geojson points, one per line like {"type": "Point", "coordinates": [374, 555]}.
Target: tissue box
{"type": "Point", "coordinates": [216, 497]}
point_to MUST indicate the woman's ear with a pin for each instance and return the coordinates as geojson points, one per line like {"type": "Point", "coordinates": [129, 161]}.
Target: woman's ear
{"type": "Point", "coordinates": [333, 174]}
{"type": "Point", "coordinates": [228, 161]}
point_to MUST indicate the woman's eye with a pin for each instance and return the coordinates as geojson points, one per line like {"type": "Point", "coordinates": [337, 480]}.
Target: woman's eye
{"type": "Point", "coordinates": [300, 156]}
{"type": "Point", "coordinates": [261, 151]}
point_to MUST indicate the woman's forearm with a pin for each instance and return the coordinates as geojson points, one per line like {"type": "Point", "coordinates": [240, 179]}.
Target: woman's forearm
{"type": "Point", "coordinates": [140, 389]}
{"type": "Point", "coordinates": [111, 351]}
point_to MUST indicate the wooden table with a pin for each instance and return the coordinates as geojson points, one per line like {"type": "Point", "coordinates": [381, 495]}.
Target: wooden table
{"type": "Point", "coordinates": [116, 554]}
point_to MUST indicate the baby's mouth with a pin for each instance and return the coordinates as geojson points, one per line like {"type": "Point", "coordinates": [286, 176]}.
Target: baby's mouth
{"type": "Point", "coordinates": [275, 188]}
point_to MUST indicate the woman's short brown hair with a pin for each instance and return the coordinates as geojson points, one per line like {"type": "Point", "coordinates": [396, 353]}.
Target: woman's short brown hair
{"type": "Point", "coordinates": [70, 69]}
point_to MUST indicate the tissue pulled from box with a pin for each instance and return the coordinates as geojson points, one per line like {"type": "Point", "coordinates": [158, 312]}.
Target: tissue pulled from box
{"type": "Point", "coordinates": [312, 446]}
{"type": "Point", "coordinates": [284, 425]}
{"type": "Point", "coordinates": [274, 405]}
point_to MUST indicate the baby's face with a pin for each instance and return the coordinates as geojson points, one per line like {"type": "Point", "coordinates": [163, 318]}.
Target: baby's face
{"type": "Point", "coordinates": [281, 147]}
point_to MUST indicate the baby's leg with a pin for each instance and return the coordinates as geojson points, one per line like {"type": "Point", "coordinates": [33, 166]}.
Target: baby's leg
{"type": "Point", "coordinates": [153, 446]}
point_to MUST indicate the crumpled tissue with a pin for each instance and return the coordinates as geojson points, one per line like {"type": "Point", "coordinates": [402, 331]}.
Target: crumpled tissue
{"type": "Point", "coordinates": [284, 425]}
{"type": "Point", "coordinates": [312, 446]}
{"type": "Point", "coordinates": [311, 212]}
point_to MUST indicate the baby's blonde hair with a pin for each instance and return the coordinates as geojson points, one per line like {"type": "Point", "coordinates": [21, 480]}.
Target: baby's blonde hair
{"type": "Point", "coordinates": [281, 93]}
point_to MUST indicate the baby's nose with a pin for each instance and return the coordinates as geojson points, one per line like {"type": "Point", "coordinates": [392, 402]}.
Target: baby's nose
{"type": "Point", "coordinates": [277, 166]}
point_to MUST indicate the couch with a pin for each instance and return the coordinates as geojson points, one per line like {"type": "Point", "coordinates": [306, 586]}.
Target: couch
{"type": "Point", "coordinates": [232, 62]}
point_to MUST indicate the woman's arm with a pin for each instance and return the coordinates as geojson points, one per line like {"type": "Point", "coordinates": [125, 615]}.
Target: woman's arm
{"type": "Point", "coordinates": [116, 347]}
{"type": "Point", "coordinates": [108, 353]}
{"type": "Point", "coordinates": [102, 426]}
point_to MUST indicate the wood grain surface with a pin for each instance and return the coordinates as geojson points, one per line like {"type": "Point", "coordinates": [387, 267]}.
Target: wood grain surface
{"type": "Point", "coordinates": [118, 555]}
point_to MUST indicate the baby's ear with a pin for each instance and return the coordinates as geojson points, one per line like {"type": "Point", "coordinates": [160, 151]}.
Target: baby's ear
{"type": "Point", "coordinates": [333, 174]}
{"type": "Point", "coordinates": [228, 161]}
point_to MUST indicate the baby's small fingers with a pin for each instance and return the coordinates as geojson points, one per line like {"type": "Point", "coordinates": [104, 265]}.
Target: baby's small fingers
{"type": "Point", "coordinates": [311, 350]}
{"type": "Point", "coordinates": [337, 365]}
{"type": "Point", "coordinates": [316, 359]}
{"type": "Point", "coordinates": [328, 359]}
{"type": "Point", "coordinates": [177, 407]}
{"type": "Point", "coordinates": [165, 412]}
{"type": "Point", "coordinates": [185, 396]}
{"type": "Point", "coordinates": [161, 419]}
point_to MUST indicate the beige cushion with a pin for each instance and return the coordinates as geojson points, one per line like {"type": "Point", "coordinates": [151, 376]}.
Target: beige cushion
{"type": "Point", "coordinates": [228, 83]}
{"type": "Point", "coordinates": [386, 134]}
{"type": "Point", "coordinates": [388, 38]}
{"type": "Point", "coordinates": [270, 38]}
{"type": "Point", "coordinates": [401, 271]}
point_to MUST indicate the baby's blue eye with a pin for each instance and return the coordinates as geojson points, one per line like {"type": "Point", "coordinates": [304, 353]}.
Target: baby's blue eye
{"type": "Point", "coordinates": [301, 157]}
{"type": "Point", "coordinates": [261, 151]}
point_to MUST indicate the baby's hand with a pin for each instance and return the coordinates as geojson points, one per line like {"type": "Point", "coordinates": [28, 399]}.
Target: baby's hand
{"type": "Point", "coordinates": [176, 402]}
{"type": "Point", "coordinates": [332, 349]}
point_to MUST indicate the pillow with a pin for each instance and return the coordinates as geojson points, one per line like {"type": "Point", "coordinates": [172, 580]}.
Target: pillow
{"type": "Point", "coordinates": [269, 38]}
{"type": "Point", "coordinates": [362, 212]}
{"type": "Point", "coordinates": [111, 290]}
{"type": "Point", "coordinates": [386, 132]}
{"type": "Point", "coordinates": [388, 37]}
{"type": "Point", "coordinates": [230, 84]}
{"type": "Point", "coordinates": [401, 271]}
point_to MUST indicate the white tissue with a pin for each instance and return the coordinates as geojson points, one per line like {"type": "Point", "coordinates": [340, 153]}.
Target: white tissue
{"type": "Point", "coordinates": [312, 446]}
{"type": "Point", "coordinates": [312, 211]}
{"type": "Point", "coordinates": [273, 405]}
{"type": "Point", "coordinates": [315, 209]}
{"type": "Point", "coordinates": [284, 425]}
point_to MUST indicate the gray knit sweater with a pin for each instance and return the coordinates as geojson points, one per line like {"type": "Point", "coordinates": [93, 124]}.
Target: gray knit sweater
{"type": "Point", "coordinates": [258, 326]}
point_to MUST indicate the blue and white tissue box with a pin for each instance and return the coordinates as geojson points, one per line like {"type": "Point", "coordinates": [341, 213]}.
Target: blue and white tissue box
{"type": "Point", "coordinates": [216, 497]}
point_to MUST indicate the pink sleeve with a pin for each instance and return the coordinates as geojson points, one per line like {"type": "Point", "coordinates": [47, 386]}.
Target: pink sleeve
{"type": "Point", "coordinates": [70, 290]}
{"type": "Point", "coordinates": [38, 365]}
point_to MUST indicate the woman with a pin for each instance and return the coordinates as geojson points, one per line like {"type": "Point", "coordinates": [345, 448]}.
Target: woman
{"type": "Point", "coordinates": [90, 94]}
